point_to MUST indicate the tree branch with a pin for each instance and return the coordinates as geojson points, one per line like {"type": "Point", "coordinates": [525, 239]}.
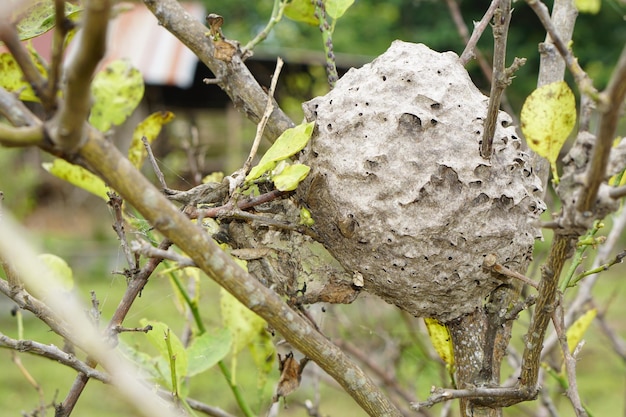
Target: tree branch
{"type": "Point", "coordinates": [8, 35]}
{"type": "Point", "coordinates": [128, 182]}
{"type": "Point", "coordinates": [580, 76]}
{"type": "Point", "coordinates": [69, 126]}
{"type": "Point", "coordinates": [552, 66]}
{"type": "Point", "coordinates": [233, 77]}
{"type": "Point", "coordinates": [15, 111]}
{"type": "Point", "coordinates": [470, 46]}
{"type": "Point", "coordinates": [615, 94]}
{"type": "Point", "coordinates": [54, 353]}
{"type": "Point", "coordinates": [500, 80]}
{"type": "Point", "coordinates": [21, 136]}
{"type": "Point", "coordinates": [76, 326]}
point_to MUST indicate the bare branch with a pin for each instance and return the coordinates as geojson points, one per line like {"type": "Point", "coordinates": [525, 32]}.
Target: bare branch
{"type": "Point", "coordinates": [123, 177]}
{"type": "Point", "coordinates": [9, 35]}
{"type": "Point", "coordinates": [269, 108]}
{"type": "Point", "coordinates": [614, 97]}
{"type": "Point", "coordinates": [502, 18]}
{"type": "Point", "coordinates": [21, 136]}
{"type": "Point", "coordinates": [76, 326]}
{"type": "Point", "coordinates": [580, 76]}
{"type": "Point", "coordinates": [68, 127]}
{"type": "Point", "coordinates": [233, 77]}
{"type": "Point", "coordinates": [54, 353]}
{"type": "Point", "coordinates": [533, 340]}
{"type": "Point", "coordinates": [469, 51]}
{"type": "Point", "coordinates": [15, 111]}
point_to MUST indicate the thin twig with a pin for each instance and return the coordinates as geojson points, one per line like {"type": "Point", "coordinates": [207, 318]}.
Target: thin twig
{"type": "Point", "coordinates": [245, 204]}
{"type": "Point", "coordinates": [468, 54]}
{"type": "Point", "coordinates": [580, 76]}
{"type": "Point", "coordinates": [277, 15]}
{"type": "Point", "coordinates": [569, 361]}
{"type": "Point", "coordinates": [479, 28]}
{"type": "Point", "coordinates": [115, 202]}
{"type": "Point", "coordinates": [9, 35]}
{"type": "Point", "coordinates": [327, 38]}
{"type": "Point", "coordinates": [614, 97]}
{"type": "Point", "coordinates": [54, 353]}
{"type": "Point", "coordinates": [62, 27]}
{"type": "Point", "coordinates": [21, 136]}
{"type": "Point", "coordinates": [269, 108]}
{"type": "Point", "coordinates": [68, 127]}
{"type": "Point", "coordinates": [15, 110]}
{"type": "Point", "coordinates": [500, 80]}
{"type": "Point", "coordinates": [618, 343]}
{"type": "Point", "coordinates": [153, 162]}
{"type": "Point", "coordinates": [150, 251]}
{"type": "Point", "coordinates": [386, 377]}
{"type": "Point", "coordinates": [490, 263]}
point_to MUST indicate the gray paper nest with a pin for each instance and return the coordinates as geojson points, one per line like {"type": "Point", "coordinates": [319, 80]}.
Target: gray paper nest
{"type": "Point", "coordinates": [398, 189]}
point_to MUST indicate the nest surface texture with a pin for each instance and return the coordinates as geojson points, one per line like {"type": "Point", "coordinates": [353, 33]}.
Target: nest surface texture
{"type": "Point", "coordinates": [399, 191]}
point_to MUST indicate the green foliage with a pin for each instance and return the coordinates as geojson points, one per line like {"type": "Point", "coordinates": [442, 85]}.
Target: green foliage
{"type": "Point", "coordinates": [288, 178]}
{"type": "Point", "coordinates": [206, 350]}
{"type": "Point", "coordinates": [117, 91]}
{"type": "Point", "coordinates": [60, 268]}
{"type": "Point", "coordinates": [288, 144]}
{"type": "Point", "coordinates": [171, 350]}
{"type": "Point", "coordinates": [39, 18]}
{"type": "Point", "coordinates": [246, 329]}
{"type": "Point", "coordinates": [588, 6]}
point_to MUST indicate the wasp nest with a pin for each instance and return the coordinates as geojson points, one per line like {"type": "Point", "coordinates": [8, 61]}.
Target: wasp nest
{"type": "Point", "coordinates": [399, 192]}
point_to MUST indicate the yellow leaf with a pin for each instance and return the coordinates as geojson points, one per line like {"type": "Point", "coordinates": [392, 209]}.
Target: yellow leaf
{"type": "Point", "coordinates": [441, 340]}
{"type": "Point", "coordinates": [12, 78]}
{"type": "Point", "coordinates": [117, 91]}
{"type": "Point", "coordinates": [588, 6]}
{"type": "Point", "coordinates": [548, 117]}
{"type": "Point", "coordinates": [77, 176]}
{"type": "Point", "coordinates": [149, 128]}
{"type": "Point", "coordinates": [577, 330]}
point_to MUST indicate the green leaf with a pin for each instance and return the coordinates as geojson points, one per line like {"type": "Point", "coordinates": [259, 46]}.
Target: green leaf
{"type": "Point", "coordinates": [77, 176]}
{"type": "Point", "coordinates": [305, 217]}
{"type": "Point", "coordinates": [288, 144]}
{"type": "Point", "coordinates": [336, 8]}
{"type": "Point", "coordinates": [149, 128]}
{"type": "Point", "coordinates": [40, 18]}
{"type": "Point", "coordinates": [60, 268]}
{"type": "Point", "coordinates": [144, 361]}
{"type": "Point", "coordinates": [157, 335]}
{"type": "Point", "coordinates": [12, 77]}
{"type": "Point", "coordinates": [245, 326]}
{"type": "Point", "coordinates": [588, 6]}
{"type": "Point", "coordinates": [207, 350]}
{"type": "Point", "coordinates": [302, 11]}
{"type": "Point", "coordinates": [548, 117]}
{"type": "Point", "coordinates": [289, 178]}
{"type": "Point", "coordinates": [263, 354]}
{"type": "Point", "coordinates": [116, 90]}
